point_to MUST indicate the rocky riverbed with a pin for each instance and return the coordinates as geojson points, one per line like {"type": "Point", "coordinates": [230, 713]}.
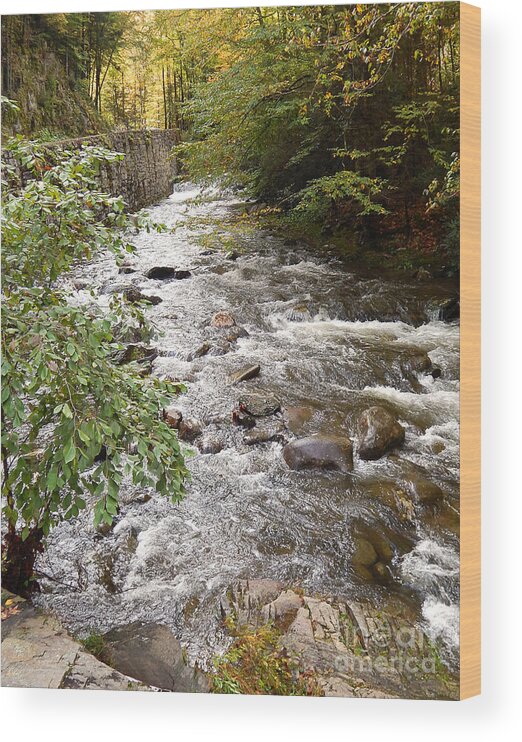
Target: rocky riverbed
{"type": "Point", "coordinates": [322, 415]}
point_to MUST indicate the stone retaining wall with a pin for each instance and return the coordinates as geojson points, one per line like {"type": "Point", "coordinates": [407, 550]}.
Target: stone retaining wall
{"type": "Point", "coordinates": [147, 172]}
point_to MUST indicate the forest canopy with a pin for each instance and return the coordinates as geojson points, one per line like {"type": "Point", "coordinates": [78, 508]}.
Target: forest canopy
{"type": "Point", "coordinates": [339, 115]}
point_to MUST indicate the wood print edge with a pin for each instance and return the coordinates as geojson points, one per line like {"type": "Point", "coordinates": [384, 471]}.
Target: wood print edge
{"type": "Point", "coordinates": [470, 437]}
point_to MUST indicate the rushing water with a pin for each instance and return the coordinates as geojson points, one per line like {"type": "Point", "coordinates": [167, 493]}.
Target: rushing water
{"type": "Point", "coordinates": [327, 340]}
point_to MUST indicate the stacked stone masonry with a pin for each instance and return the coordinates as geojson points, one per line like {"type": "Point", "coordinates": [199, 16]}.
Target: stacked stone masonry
{"type": "Point", "coordinates": [146, 173]}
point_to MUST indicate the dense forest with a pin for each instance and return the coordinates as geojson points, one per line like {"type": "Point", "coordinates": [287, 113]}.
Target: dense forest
{"type": "Point", "coordinates": [337, 114]}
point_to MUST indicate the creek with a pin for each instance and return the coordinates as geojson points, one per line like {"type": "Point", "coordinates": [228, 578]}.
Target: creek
{"type": "Point", "coordinates": [330, 342]}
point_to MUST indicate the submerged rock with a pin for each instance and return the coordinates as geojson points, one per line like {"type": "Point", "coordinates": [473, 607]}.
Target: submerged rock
{"type": "Point", "coordinates": [419, 362]}
{"type": "Point", "coordinates": [379, 431]}
{"type": "Point", "coordinates": [151, 653]}
{"type": "Point", "coordinates": [199, 352]}
{"type": "Point", "coordinates": [243, 419]}
{"type": "Point", "coordinates": [424, 492]}
{"type": "Point", "coordinates": [265, 434]}
{"type": "Point", "coordinates": [296, 418]}
{"type": "Point", "coordinates": [244, 374]}
{"type": "Point", "coordinates": [320, 452]}
{"type": "Point", "coordinates": [236, 333]}
{"type": "Point", "coordinates": [365, 553]}
{"type": "Point", "coordinates": [109, 288]}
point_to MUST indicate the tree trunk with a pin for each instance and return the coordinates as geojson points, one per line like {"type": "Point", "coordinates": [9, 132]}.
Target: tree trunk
{"type": "Point", "coordinates": [18, 560]}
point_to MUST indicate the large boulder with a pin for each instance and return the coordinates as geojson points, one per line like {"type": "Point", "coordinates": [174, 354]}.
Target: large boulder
{"type": "Point", "coordinates": [152, 654]}
{"type": "Point", "coordinates": [320, 452]}
{"type": "Point", "coordinates": [378, 432]}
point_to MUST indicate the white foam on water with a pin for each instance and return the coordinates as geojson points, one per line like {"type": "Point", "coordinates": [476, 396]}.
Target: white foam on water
{"type": "Point", "coordinates": [443, 404]}
{"type": "Point", "coordinates": [433, 569]}
{"type": "Point", "coordinates": [428, 561]}
{"type": "Point", "coordinates": [442, 622]}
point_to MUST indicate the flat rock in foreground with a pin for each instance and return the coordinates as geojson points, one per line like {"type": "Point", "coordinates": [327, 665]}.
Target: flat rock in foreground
{"type": "Point", "coordinates": [37, 652]}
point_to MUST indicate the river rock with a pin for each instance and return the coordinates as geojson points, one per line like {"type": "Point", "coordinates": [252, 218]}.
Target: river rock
{"type": "Point", "coordinates": [379, 431]}
{"type": "Point", "coordinates": [152, 654]}
{"type": "Point", "coordinates": [220, 348]}
{"type": "Point", "coordinates": [243, 419]}
{"type": "Point", "coordinates": [163, 272]}
{"type": "Point", "coordinates": [320, 452]}
{"type": "Point", "coordinates": [382, 573]}
{"type": "Point", "coordinates": [211, 444]}
{"type": "Point", "coordinates": [259, 405]}
{"type": "Point", "coordinates": [265, 434]}
{"type": "Point", "coordinates": [296, 418]}
{"type": "Point", "coordinates": [236, 333]}
{"type": "Point", "coordinates": [199, 352]}
{"type": "Point", "coordinates": [419, 362]}
{"type": "Point", "coordinates": [364, 553]}
{"type": "Point", "coordinates": [448, 309]}
{"type": "Point", "coordinates": [134, 296]}
{"type": "Point", "coordinates": [189, 429]}
{"type": "Point", "coordinates": [172, 417]}
{"type": "Point", "coordinates": [223, 319]}
{"type": "Point", "coordinates": [244, 374]}
{"type": "Point", "coordinates": [424, 492]}
{"type": "Point", "coordinates": [135, 353]}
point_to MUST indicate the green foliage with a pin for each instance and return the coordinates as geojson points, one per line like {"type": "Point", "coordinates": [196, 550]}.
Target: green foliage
{"type": "Point", "coordinates": [74, 423]}
{"type": "Point", "coordinates": [95, 644]}
{"type": "Point", "coordinates": [335, 113]}
{"type": "Point", "coordinates": [317, 198]}
{"type": "Point", "coordinates": [255, 664]}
